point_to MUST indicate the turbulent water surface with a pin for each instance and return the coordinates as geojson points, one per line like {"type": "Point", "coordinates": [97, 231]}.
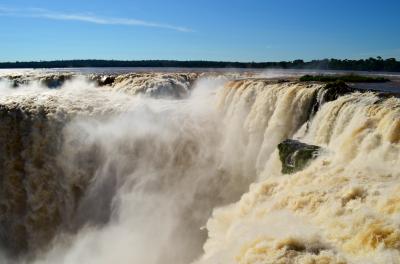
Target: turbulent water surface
{"type": "Point", "coordinates": [183, 167]}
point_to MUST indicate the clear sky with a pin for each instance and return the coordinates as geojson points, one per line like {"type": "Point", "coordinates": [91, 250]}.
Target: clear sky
{"type": "Point", "coordinates": [234, 30]}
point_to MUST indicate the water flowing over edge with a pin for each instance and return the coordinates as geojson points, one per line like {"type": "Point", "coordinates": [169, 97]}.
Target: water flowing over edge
{"type": "Point", "coordinates": [111, 177]}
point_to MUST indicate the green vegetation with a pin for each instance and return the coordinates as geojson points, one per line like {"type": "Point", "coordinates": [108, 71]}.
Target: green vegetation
{"type": "Point", "coordinates": [343, 78]}
{"type": "Point", "coordinates": [371, 64]}
{"type": "Point", "coordinates": [296, 155]}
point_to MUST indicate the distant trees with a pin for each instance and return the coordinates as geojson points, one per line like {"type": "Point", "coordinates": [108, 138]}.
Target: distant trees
{"type": "Point", "coordinates": [343, 78]}
{"type": "Point", "coordinates": [370, 64]}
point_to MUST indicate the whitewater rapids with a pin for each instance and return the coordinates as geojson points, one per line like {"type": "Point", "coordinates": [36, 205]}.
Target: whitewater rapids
{"type": "Point", "coordinates": [184, 168]}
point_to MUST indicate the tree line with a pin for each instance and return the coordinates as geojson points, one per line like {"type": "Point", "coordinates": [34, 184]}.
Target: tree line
{"type": "Point", "coordinates": [370, 64]}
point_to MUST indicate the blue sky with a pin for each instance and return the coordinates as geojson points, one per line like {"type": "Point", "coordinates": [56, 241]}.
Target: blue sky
{"type": "Point", "coordinates": [234, 30]}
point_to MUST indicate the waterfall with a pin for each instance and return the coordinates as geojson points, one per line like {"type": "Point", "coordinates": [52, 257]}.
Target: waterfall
{"type": "Point", "coordinates": [181, 168]}
{"type": "Point", "coordinates": [342, 208]}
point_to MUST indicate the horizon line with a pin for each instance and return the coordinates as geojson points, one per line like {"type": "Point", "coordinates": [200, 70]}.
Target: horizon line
{"type": "Point", "coordinates": [194, 60]}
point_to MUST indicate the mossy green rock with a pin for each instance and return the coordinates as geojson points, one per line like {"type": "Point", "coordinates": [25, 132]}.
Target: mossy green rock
{"type": "Point", "coordinates": [296, 155]}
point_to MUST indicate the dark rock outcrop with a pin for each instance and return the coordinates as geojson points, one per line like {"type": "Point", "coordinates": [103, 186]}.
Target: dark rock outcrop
{"type": "Point", "coordinates": [296, 155]}
{"type": "Point", "coordinates": [54, 81]}
{"type": "Point", "coordinates": [329, 93]}
{"type": "Point", "coordinates": [101, 80]}
{"type": "Point", "coordinates": [336, 89]}
{"type": "Point", "coordinates": [49, 80]}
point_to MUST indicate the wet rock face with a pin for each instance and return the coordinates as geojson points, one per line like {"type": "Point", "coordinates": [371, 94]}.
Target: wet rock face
{"type": "Point", "coordinates": [49, 80]}
{"type": "Point", "coordinates": [328, 93]}
{"type": "Point", "coordinates": [54, 81]}
{"type": "Point", "coordinates": [296, 155]}
{"type": "Point", "coordinates": [333, 90]}
{"type": "Point", "coordinates": [101, 80]}
{"type": "Point", "coordinates": [28, 178]}
{"type": "Point", "coordinates": [107, 80]}
{"type": "Point", "coordinates": [37, 197]}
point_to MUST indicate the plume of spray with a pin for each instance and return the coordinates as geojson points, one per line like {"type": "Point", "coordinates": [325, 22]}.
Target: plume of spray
{"type": "Point", "coordinates": [155, 171]}
{"type": "Point", "coordinates": [146, 174]}
{"type": "Point", "coordinates": [35, 194]}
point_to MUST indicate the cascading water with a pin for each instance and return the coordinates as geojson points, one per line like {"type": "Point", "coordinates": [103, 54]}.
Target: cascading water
{"type": "Point", "coordinates": [129, 172]}
{"type": "Point", "coordinates": [342, 208]}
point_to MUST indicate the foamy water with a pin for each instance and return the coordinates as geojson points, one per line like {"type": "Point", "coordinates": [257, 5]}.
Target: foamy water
{"type": "Point", "coordinates": [183, 168]}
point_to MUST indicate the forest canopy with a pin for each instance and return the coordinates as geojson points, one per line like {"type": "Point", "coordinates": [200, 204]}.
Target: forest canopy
{"type": "Point", "coordinates": [370, 64]}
